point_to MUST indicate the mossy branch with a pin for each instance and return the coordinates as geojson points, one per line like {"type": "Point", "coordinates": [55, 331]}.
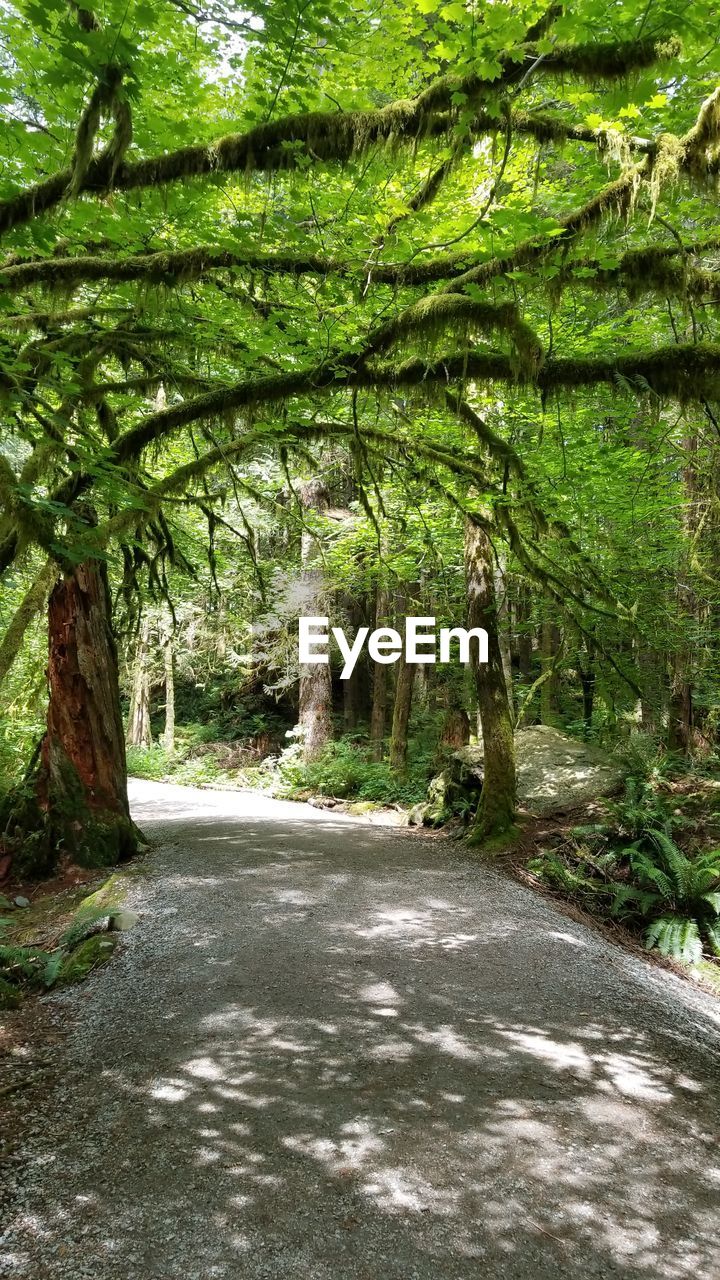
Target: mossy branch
{"type": "Point", "coordinates": [31, 605]}
{"type": "Point", "coordinates": [432, 316]}
{"type": "Point", "coordinates": [329, 137]}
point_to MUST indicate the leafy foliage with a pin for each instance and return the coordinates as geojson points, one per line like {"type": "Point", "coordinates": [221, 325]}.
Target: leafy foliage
{"type": "Point", "coordinates": [632, 869]}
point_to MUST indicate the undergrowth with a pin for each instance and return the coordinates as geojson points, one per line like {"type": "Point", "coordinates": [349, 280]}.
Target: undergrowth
{"type": "Point", "coordinates": [631, 867]}
{"type": "Point", "coordinates": [26, 967]}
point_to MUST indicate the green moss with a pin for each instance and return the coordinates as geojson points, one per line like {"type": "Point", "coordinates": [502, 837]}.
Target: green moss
{"type": "Point", "coordinates": [87, 955]}
{"type": "Point", "coordinates": [491, 846]}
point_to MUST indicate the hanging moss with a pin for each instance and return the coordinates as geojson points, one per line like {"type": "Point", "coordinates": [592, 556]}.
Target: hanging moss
{"type": "Point", "coordinates": [320, 136]}
{"type": "Point", "coordinates": [432, 316]}
{"type": "Point", "coordinates": [705, 134]}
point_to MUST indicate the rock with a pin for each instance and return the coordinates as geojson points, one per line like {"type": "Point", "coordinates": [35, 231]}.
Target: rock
{"type": "Point", "coordinates": [557, 772]}
{"type": "Point", "coordinates": [360, 807]}
{"type": "Point", "coordinates": [87, 955]}
{"type": "Point", "coordinates": [21, 902]}
{"type": "Point", "coordinates": [554, 772]}
{"type": "Point", "coordinates": [123, 920]}
{"type": "Point", "coordinates": [416, 815]}
{"type": "Point", "coordinates": [10, 996]}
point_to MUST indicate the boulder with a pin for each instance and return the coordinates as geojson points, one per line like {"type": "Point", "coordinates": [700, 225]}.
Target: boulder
{"type": "Point", "coordinates": [554, 772]}
{"type": "Point", "coordinates": [122, 920]}
{"type": "Point", "coordinates": [557, 772]}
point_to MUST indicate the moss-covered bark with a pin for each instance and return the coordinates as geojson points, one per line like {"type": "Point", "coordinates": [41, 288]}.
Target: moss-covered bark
{"type": "Point", "coordinates": [496, 811]}
{"type": "Point", "coordinates": [74, 800]}
{"type": "Point", "coordinates": [315, 696]}
{"type": "Point", "coordinates": [402, 707]}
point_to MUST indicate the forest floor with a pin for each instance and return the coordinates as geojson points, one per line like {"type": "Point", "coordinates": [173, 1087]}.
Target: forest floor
{"type": "Point", "coordinates": [335, 1051]}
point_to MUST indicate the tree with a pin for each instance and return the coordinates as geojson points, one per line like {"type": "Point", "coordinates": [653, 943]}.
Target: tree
{"type": "Point", "coordinates": [496, 812]}
{"type": "Point", "coordinates": [75, 797]}
{"type": "Point", "coordinates": [342, 254]}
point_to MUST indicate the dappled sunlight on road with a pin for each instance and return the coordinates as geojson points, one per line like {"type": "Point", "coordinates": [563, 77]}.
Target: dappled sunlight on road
{"type": "Point", "coordinates": [350, 1067]}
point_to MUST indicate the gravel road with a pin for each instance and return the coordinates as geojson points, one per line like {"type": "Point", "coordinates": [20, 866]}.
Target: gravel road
{"type": "Point", "coordinates": [332, 1051]}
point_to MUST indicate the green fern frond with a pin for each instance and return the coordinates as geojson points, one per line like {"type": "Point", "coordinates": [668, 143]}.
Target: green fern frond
{"type": "Point", "coordinates": [712, 934]}
{"type": "Point", "coordinates": [675, 936]}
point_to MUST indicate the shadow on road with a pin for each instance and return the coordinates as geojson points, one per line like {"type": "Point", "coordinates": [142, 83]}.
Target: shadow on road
{"type": "Point", "coordinates": [332, 1053]}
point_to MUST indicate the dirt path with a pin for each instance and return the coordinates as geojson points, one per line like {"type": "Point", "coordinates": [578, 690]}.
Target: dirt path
{"type": "Point", "coordinates": [335, 1052]}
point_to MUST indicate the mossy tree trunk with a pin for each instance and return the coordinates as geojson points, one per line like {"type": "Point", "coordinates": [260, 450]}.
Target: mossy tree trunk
{"type": "Point", "coordinates": [651, 678]}
{"type": "Point", "coordinates": [315, 696]}
{"type": "Point", "coordinates": [402, 707]}
{"type": "Point", "coordinates": [504, 616]}
{"type": "Point", "coordinates": [550, 640]}
{"type": "Point", "coordinates": [586, 674]}
{"type": "Point", "coordinates": [524, 635]}
{"type": "Point", "coordinates": [168, 739]}
{"type": "Point", "coordinates": [380, 684]}
{"type": "Point", "coordinates": [680, 732]}
{"type": "Point", "coordinates": [356, 689]}
{"type": "Point", "coordinates": [139, 732]}
{"type": "Point", "coordinates": [496, 811]}
{"type": "Point", "coordinates": [74, 800]}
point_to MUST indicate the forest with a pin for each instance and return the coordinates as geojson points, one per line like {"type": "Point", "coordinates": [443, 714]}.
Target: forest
{"type": "Point", "coordinates": [428, 331]}
{"type": "Point", "coordinates": [423, 330]}
{"type": "Point", "coordinates": [365, 311]}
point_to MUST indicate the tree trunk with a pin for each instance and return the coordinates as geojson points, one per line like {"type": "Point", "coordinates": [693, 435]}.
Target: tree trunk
{"type": "Point", "coordinates": [496, 811]}
{"type": "Point", "coordinates": [315, 699]}
{"type": "Point", "coordinates": [401, 715]}
{"type": "Point", "coordinates": [139, 733]}
{"type": "Point", "coordinates": [651, 678]}
{"type": "Point", "coordinates": [74, 799]}
{"type": "Point", "coordinates": [550, 688]}
{"type": "Point", "coordinates": [168, 738]}
{"type": "Point", "coordinates": [455, 732]}
{"type": "Point", "coordinates": [355, 690]}
{"type": "Point", "coordinates": [504, 627]}
{"type": "Point", "coordinates": [381, 675]}
{"type": "Point", "coordinates": [587, 681]}
{"type": "Point", "coordinates": [525, 649]}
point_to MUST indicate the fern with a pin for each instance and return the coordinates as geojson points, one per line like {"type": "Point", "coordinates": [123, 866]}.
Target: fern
{"type": "Point", "coordinates": [675, 936]}
{"type": "Point", "coordinates": [52, 967]}
{"type": "Point", "coordinates": [674, 898]}
{"type": "Point", "coordinates": [27, 961]}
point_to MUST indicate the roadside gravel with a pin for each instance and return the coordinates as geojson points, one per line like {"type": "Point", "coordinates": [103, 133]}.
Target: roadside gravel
{"type": "Point", "coordinates": [335, 1051]}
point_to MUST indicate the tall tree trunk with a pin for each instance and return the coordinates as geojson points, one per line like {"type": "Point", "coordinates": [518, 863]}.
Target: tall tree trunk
{"type": "Point", "coordinates": [504, 618]}
{"type": "Point", "coordinates": [315, 699]}
{"type": "Point", "coordinates": [139, 732]}
{"type": "Point", "coordinates": [380, 684]}
{"type": "Point", "coordinates": [455, 731]}
{"type": "Point", "coordinates": [496, 811]}
{"type": "Point", "coordinates": [651, 678]}
{"type": "Point", "coordinates": [401, 715]}
{"type": "Point", "coordinates": [550, 640]}
{"type": "Point", "coordinates": [355, 689]}
{"type": "Point", "coordinates": [525, 649]}
{"type": "Point", "coordinates": [587, 682]}
{"type": "Point", "coordinates": [74, 799]}
{"type": "Point", "coordinates": [169, 663]}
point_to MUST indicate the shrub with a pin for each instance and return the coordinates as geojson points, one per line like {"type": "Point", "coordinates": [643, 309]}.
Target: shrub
{"type": "Point", "coordinates": [631, 867]}
{"type": "Point", "coordinates": [679, 896]}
